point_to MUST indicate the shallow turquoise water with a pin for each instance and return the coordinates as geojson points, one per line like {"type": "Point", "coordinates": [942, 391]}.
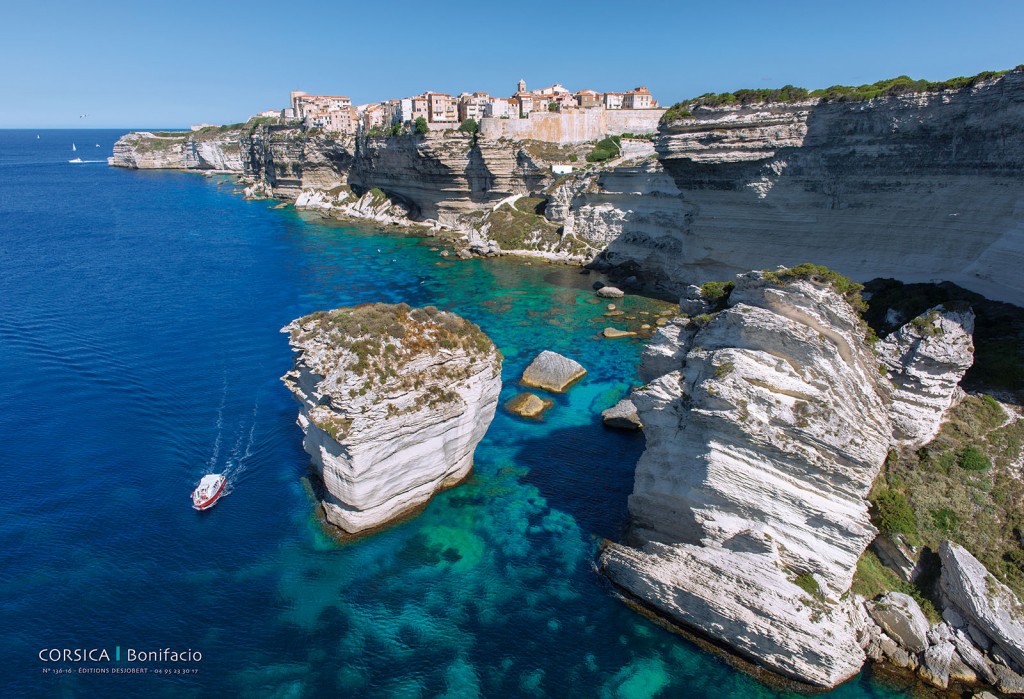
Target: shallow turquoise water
{"type": "Point", "coordinates": [140, 348]}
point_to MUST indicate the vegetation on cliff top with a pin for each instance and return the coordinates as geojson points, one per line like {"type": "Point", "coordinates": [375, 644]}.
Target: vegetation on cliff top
{"type": "Point", "coordinates": [386, 350]}
{"type": "Point", "coordinates": [901, 85]}
{"type": "Point", "coordinates": [819, 274]}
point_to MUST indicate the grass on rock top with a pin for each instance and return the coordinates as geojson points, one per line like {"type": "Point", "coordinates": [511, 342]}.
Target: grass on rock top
{"type": "Point", "coordinates": [373, 349]}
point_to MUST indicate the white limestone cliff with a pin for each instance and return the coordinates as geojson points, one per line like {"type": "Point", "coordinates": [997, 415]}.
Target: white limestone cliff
{"type": "Point", "coordinates": [761, 448]}
{"type": "Point", "coordinates": [393, 402]}
{"type": "Point", "coordinates": [926, 359]}
{"type": "Point", "coordinates": [215, 149]}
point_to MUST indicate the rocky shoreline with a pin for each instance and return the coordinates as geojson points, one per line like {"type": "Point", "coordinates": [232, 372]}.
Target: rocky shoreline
{"type": "Point", "coordinates": [769, 409]}
{"type": "Point", "coordinates": [895, 187]}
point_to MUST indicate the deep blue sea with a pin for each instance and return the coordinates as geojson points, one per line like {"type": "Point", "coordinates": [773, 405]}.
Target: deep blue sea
{"type": "Point", "coordinates": [140, 348]}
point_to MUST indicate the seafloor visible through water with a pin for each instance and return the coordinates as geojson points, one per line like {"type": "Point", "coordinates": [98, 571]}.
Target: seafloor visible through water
{"type": "Point", "coordinates": [139, 349]}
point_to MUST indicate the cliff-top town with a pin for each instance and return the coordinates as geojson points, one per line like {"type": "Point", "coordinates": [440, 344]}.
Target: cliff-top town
{"type": "Point", "coordinates": [441, 110]}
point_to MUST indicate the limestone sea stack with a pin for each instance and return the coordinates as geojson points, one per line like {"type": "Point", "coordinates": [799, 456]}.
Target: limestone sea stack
{"type": "Point", "coordinates": [748, 511]}
{"type": "Point", "coordinates": [393, 402]}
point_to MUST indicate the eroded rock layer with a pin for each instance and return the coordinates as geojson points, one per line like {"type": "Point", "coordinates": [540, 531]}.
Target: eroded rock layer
{"type": "Point", "coordinates": [762, 444]}
{"type": "Point", "coordinates": [393, 403]}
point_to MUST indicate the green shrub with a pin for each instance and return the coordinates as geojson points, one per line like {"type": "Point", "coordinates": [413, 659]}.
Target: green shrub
{"type": "Point", "coordinates": [717, 292]}
{"type": "Point", "coordinates": [973, 459]}
{"type": "Point", "coordinates": [846, 287]}
{"type": "Point", "coordinates": [605, 149]}
{"type": "Point", "coordinates": [894, 513]}
{"type": "Point", "coordinates": [469, 126]}
{"type": "Point", "coordinates": [945, 520]}
{"type": "Point", "coordinates": [807, 583]}
{"type": "Point", "coordinates": [420, 126]}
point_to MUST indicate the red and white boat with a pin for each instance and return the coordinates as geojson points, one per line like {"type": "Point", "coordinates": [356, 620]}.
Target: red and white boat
{"type": "Point", "coordinates": [208, 492]}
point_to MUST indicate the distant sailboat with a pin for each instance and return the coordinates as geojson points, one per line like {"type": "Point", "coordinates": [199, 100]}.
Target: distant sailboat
{"type": "Point", "coordinates": [73, 149]}
{"type": "Point", "coordinates": [74, 160]}
{"type": "Point", "coordinates": [37, 137]}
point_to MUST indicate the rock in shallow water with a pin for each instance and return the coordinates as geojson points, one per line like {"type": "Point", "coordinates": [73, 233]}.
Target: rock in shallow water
{"type": "Point", "coordinates": [553, 372]}
{"type": "Point", "coordinates": [612, 333]}
{"type": "Point", "coordinates": [622, 416]}
{"type": "Point", "coordinates": [393, 403]}
{"type": "Point", "coordinates": [528, 405]}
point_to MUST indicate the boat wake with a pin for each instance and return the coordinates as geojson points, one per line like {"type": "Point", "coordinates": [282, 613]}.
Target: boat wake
{"type": "Point", "coordinates": [233, 463]}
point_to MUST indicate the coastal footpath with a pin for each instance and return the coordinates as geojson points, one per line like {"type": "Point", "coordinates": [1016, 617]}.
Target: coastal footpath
{"type": "Point", "coordinates": [393, 401]}
{"type": "Point", "coordinates": [920, 187]}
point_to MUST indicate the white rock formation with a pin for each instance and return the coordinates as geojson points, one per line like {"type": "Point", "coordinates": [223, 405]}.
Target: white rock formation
{"type": "Point", "coordinates": [926, 359]}
{"type": "Point", "coordinates": [901, 617]}
{"type": "Point", "coordinates": [371, 206]}
{"type": "Point", "coordinates": [982, 600]}
{"type": "Point", "coordinates": [393, 403]}
{"type": "Point", "coordinates": [622, 416]}
{"type": "Point", "coordinates": [215, 149]}
{"type": "Point", "coordinates": [761, 449]}
{"type": "Point", "coordinates": [553, 372]}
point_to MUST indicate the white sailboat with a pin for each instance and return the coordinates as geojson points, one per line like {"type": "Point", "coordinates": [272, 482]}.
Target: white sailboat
{"type": "Point", "coordinates": [74, 160]}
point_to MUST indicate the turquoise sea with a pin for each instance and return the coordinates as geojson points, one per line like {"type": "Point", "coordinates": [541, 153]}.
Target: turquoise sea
{"type": "Point", "coordinates": [140, 348]}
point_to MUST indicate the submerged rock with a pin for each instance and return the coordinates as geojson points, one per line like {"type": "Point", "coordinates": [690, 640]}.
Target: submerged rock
{"type": "Point", "coordinates": [622, 416]}
{"type": "Point", "coordinates": [393, 403]}
{"type": "Point", "coordinates": [528, 405]}
{"type": "Point", "coordinates": [612, 333]}
{"type": "Point", "coordinates": [553, 372]}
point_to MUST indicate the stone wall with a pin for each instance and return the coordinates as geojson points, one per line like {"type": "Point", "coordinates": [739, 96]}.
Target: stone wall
{"type": "Point", "coordinates": [573, 126]}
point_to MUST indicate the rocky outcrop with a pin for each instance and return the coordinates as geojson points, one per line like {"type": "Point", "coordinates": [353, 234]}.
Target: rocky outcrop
{"type": "Point", "coordinates": [978, 640]}
{"type": "Point", "coordinates": [739, 596]}
{"type": "Point", "coordinates": [342, 203]}
{"type": "Point", "coordinates": [926, 359]}
{"type": "Point", "coordinates": [393, 403]}
{"type": "Point", "coordinates": [761, 447]}
{"type": "Point", "coordinates": [982, 600]}
{"type": "Point", "coordinates": [622, 416]}
{"type": "Point", "coordinates": [901, 617]}
{"type": "Point", "coordinates": [553, 372]}
{"type": "Point", "coordinates": [211, 149]}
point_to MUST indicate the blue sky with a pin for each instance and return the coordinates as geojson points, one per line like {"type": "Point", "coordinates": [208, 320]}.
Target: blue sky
{"type": "Point", "coordinates": [132, 64]}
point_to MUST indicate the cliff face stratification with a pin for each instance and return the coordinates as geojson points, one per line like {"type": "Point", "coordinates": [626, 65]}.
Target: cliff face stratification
{"type": "Point", "coordinates": [766, 424]}
{"type": "Point", "coordinates": [762, 445]}
{"type": "Point", "coordinates": [919, 187]}
{"type": "Point", "coordinates": [393, 403]}
{"type": "Point", "coordinates": [210, 149]}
